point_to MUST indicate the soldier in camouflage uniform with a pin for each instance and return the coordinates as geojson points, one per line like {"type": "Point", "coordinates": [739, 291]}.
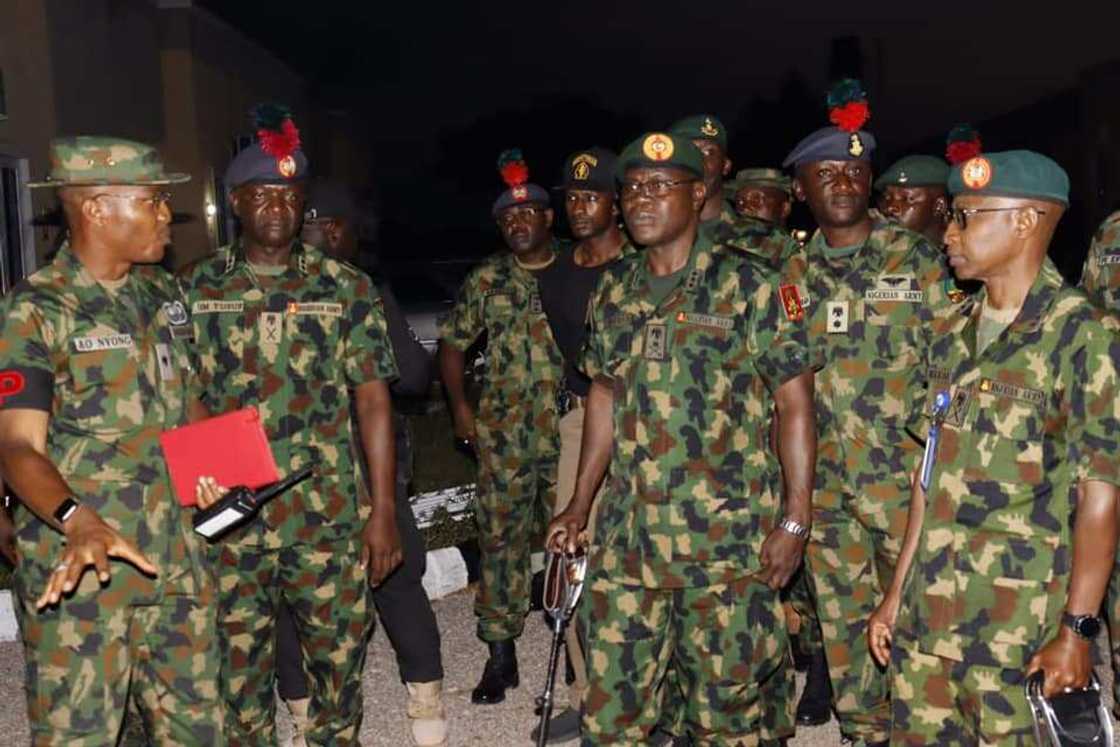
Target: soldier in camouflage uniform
{"type": "Point", "coordinates": [868, 290]}
{"type": "Point", "coordinates": [516, 431]}
{"type": "Point", "coordinates": [762, 193]}
{"type": "Point", "coordinates": [763, 200]}
{"type": "Point", "coordinates": [1100, 278]}
{"type": "Point", "coordinates": [95, 361]}
{"type": "Point", "coordinates": [690, 545]}
{"type": "Point", "coordinates": [285, 329]}
{"type": "Point", "coordinates": [912, 194]}
{"type": "Point", "coordinates": [750, 233]}
{"type": "Point", "coordinates": [1009, 547]}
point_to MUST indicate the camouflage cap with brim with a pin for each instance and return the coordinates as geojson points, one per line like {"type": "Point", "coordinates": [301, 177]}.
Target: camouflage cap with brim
{"type": "Point", "coordinates": [90, 160]}
{"type": "Point", "coordinates": [761, 177]}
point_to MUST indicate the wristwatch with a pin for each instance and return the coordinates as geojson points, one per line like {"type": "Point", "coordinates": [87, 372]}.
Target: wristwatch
{"type": "Point", "coordinates": [1085, 626]}
{"type": "Point", "coordinates": [66, 509]}
{"type": "Point", "coordinates": [791, 526]}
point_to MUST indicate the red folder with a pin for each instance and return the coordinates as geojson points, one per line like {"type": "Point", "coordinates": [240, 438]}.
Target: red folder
{"type": "Point", "coordinates": [232, 448]}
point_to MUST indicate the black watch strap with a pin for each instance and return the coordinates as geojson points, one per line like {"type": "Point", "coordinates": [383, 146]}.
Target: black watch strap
{"type": "Point", "coordinates": [1085, 626]}
{"type": "Point", "coordinates": [66, 509]}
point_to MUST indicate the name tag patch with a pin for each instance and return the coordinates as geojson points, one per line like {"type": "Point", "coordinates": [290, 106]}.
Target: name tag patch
{"type": "Point", "coordinates": [1013, 391]}
{"type": "Point", "coordinates": [883, 294]}
{"type": "Point", "coordinates": [1108, 259]}
{"type": "Point", "coordinates": [318, 309]}
{"type": "Point", "coordinates": [705, 320]}
{"type": "Point", "coordinates": [104, 342]}
{"type": "Point", "coordinates": [217, 307]}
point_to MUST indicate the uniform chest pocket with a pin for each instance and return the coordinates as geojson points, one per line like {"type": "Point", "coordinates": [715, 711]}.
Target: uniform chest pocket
{"type": "Point", "coordinates": [1009, 428]}
{"type": "Point", "coordinates": [702, 341]}
{"type": "Point", "coordinates": [107, 390]}
{"type": "Point", "coordinates": [315, 345]}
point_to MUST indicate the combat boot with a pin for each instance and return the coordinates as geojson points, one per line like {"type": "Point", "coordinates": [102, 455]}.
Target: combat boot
{"type": "Point", "coordinates": [426, 714]}
{"type": "Point", "coordinates": [298, 710]}
{"type": "Point", "coordinates": [500, 673]}
{"type": "Point", "coordinates": [815, 706]}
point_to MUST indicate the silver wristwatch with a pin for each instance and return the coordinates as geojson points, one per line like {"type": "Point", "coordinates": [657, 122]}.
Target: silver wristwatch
{"type": "Point", "coordinates": [797, 530]}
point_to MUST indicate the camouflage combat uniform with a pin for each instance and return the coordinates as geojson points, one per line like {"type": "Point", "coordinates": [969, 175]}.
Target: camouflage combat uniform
{"type": "Point", "coordinates": [766, 241]}
{"type": "Point", "coordinates": [689, 500]}
{"type": "Point", "coordinates": [113, 369]}
{"type": "Point", "coordinates": [1030, 417]}
{"type": "Point", "coordinates": [518, 428]}
{"type": "Point", "coordinates": [294, 346]}
{"type": "Point", "coordinates": [868, 316]}
{"type": "Point", "coordinates": [1100, 278]}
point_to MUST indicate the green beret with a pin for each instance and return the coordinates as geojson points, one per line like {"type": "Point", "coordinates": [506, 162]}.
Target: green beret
{"type": "Point", "coordinates": [659, 149]}
{"type": "Point", "coordinates": [761, 178]}
{"type": "Point", "coordinates": [87, 160]}
{"type": "Point", "coordinates": [915, 171]}
{"type": "Point", "coordinates": [1012, 173]}
{"type": "Point", "coordinates": [701, 127]}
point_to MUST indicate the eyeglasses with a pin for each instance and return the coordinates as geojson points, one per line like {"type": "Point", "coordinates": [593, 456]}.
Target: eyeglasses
{"type": "Point", "coordinates": [652, 188]}
{"type": "Point", "coordinates": [960, 215]}
{"type": "Point", "coordinates": [155, 201]}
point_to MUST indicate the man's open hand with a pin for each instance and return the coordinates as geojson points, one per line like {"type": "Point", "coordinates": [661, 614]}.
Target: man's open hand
{"type": "Point", "coordinates": [89, 542]}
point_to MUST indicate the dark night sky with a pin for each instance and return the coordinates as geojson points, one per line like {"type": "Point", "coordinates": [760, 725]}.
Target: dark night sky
{"type": "Point", "coordinates": [446, 85]}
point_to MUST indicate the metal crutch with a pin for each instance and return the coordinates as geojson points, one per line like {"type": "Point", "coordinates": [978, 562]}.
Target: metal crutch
{"type": "Point", "coordinates": [1071, 719]}
{"type": "Point", "coordinates": [563, 583]}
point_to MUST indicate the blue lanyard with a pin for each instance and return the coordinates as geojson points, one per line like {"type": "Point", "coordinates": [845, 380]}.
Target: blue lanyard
{"type": "Point", "coordinates": [929, 457]}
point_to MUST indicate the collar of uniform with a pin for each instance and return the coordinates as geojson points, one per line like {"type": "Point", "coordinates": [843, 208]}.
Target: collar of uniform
{"type": "Point", "coordinates": [511, 262]}
{"type": "Point", "coordinates": [298, 260]}
{"type": "Point", "coordinates": [1039, 299]}
{"type": "Point", "coordinates": [702, 245]}
{"type": "Point", "coordinates": [1041, 296]}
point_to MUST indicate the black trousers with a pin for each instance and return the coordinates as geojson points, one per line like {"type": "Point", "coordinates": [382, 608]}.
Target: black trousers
{"type": "Point", "coordinates": [404, 609]}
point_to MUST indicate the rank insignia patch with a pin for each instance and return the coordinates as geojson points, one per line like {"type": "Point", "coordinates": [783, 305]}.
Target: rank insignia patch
{"type": "Point", "coordinates": [655, 348]}
{"type": "Point", "coordinates": [837, 317]}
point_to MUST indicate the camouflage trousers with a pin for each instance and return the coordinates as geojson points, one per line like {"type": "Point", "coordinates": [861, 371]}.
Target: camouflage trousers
{"type": "Point", "coordinates": [939, 701]}
{"type": "Point", "coordinates": [326, 591]}
{"type": "Point", "coordinates": [516, 495]}
{"type": "Point", "coordinates": [799, 596]}
{"type": "Point", "coordinates": [723, 648]}
{"type": "Point", "coordinates": [87, 662]}
{"type": "Point", "coordinates": [852, 552]}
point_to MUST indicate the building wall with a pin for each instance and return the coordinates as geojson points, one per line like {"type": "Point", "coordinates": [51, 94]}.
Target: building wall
{"type": "Point", "coordinates": [160, 71]}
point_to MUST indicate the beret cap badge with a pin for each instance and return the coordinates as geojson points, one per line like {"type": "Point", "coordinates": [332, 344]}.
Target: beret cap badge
{"type": "Point", "coordinates": [855, 145]}
{"type": "Point", "coordinates": [976, 173]}
{"type": "Point", "coordinates": [708, 128]}
{"type": "Point", "coordinates": [657, 147]}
